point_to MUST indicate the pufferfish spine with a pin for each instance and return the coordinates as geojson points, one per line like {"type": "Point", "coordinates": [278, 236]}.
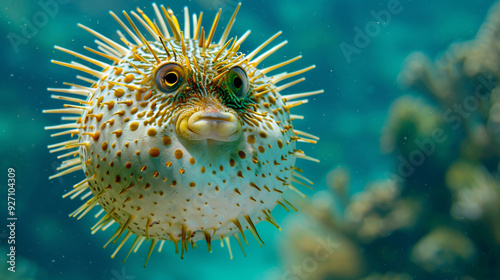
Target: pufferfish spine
{"type": "Point", "coordinates": [180, 138]}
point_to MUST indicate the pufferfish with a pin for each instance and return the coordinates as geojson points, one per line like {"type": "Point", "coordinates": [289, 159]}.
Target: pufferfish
{"type": "Point", "coordinates": [180, 138]}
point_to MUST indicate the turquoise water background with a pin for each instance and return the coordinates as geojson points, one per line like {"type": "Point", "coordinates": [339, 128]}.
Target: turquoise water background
{"type": "Point", "coordinates": [348, 117]}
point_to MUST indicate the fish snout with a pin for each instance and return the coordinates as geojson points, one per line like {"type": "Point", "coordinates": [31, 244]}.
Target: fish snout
{"type": "Point", "coordinates": [209, 124]}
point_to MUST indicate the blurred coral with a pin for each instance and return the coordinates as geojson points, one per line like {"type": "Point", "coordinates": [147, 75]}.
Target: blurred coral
{"type": "Point", "coordinates": [442, 249]}
{"type": "Point", "coordinates": [409, 118]}
{"type": "Point", "coordinates": [438, 215]}
{"type": "Point", "coordinates": [308, 256]}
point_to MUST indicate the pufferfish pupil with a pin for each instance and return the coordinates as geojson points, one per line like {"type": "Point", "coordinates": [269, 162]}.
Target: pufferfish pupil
{"type": "Point", "coordinates": [180, 138]}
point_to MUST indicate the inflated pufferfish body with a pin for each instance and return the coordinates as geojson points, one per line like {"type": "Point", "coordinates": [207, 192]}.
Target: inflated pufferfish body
{"type": "Point", "coordinates": [181, 139]}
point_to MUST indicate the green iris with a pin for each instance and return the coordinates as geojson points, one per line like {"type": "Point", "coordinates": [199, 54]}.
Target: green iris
{"type": "Point", "coordinates": [237, 81]}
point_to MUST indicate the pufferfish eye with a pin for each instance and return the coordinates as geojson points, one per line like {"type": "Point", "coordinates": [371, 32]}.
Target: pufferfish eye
{"type": "Point", "coordinates": [169, 77]}
{"type": "Point", "coordinates": [237, 81]}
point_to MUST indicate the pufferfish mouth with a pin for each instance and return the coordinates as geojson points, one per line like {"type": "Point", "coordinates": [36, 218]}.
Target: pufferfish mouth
{"type": "Point", "coordinates": [214, 125]}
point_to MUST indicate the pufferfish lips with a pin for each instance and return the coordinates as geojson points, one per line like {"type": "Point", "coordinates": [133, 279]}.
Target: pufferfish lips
{"type": "Point", "coordinates": [209, 123]}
